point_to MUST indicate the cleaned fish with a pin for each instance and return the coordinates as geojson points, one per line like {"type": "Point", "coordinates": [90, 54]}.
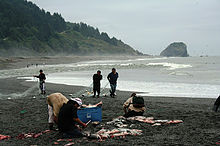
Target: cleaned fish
{"type": "Point", "coordinates": [2, 137]}
{"type": "Point", "coordinates": [90, 105]}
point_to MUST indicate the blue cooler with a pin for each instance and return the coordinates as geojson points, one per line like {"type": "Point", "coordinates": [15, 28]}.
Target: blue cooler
{"type": "Point", "coordinates": [93, 114]}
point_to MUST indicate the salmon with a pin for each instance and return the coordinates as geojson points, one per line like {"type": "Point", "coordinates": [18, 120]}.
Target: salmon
{"type": "Point", "coordinates": [2, 137]}
{"type": "Point", "coordinates": [71, 143]}
{"type": "Point", "coordinates": [120, 132]}
{"type": "Point", "coordinates": [90, 106]}
{"type": "Point", "coordinates": [174, 122]}
{"type": "Point", "coordinates": [33, 135]}
{"type": "Point", "coordinates": [151, 120]}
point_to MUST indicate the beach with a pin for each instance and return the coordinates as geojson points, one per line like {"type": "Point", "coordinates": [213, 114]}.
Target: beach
{"type": "Point", "coordinates": [27, 113]}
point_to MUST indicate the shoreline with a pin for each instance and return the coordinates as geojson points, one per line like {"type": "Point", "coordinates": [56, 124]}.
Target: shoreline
{"type": "Point", "coordinates": [26, 72]}
{"type": "Point", "coordinates": [139, 93]}
{"type": "Point", "coordinates": [83, 87]}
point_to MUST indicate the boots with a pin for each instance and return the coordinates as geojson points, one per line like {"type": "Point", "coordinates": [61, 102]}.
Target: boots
{"type": "Point", "coordinates": [51, 126]}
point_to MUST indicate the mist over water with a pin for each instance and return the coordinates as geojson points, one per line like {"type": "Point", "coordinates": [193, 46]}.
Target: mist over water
{"type": "Point", "coordinates": [175, 77]}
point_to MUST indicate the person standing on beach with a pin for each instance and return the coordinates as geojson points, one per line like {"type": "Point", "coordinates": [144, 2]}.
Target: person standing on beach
{"type": "Point", "coordinates": [42, 79]}
{"type": "Point", "coordinates": [134, 106]}
{"type": "Point", "coordinates": [112, 78]}
{"type": "Point", "coordinates": [55, 101]}
{"type": "Point", "coordinates": [68, 119]}
{"type": "Point", "coordinates": [96, 83]}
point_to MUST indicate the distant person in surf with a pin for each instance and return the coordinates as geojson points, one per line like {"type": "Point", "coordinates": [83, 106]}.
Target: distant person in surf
{"type": "Point", "coordinates": [112, 78]}
{"type": "Point", "coordinates": [134, 106]}
{"type": "Point", "coordinates": [55, 101]}
{"type": "Point", "coordinates": [42, 79]}
{"type": "Point", "coordinates": [96, 83]}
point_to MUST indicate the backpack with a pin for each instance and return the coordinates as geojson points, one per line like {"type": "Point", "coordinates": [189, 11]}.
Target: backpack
{"type": "Point", "coordinates": [138, 102]}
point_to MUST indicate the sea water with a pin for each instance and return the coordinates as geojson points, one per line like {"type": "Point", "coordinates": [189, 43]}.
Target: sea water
{"type": "Point", "coordinates": [157, 76]}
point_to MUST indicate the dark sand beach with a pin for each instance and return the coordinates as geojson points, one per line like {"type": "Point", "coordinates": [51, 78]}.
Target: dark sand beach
{"type": "Point", "coordinates": [201, 126]}
{"type": "Point", "coordinates": [25, 114]}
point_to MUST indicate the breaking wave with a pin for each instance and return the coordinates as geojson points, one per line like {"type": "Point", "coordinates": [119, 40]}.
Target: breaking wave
{"type": "Point", "coordinates": [93, 65]}
{"type": "Point", "coordinates": [171, 66]}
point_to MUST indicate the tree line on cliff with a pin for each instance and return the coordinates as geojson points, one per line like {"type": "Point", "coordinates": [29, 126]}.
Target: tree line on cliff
{"type": "Point", "coordinates": [25, 29]}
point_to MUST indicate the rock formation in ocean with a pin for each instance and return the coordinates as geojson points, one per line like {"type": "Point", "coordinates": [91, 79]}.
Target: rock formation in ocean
{"type": "Point", "coordinates": [176, 49]}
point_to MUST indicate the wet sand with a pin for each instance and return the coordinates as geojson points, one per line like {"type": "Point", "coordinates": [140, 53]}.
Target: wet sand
{"type": "Point", "coordinates": [26, 114]}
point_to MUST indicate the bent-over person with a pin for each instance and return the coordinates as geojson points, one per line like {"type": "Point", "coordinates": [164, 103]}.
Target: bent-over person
{"type": "Point", "coordinates": [55, 101]}
{"type": "Point", "coordinates": [134, 106]}
{"type": "Point", "coordinates": [68, 119]}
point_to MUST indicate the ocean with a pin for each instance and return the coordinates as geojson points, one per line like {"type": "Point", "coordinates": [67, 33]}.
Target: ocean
{"type": "Point", "coordinates": [196, 77]}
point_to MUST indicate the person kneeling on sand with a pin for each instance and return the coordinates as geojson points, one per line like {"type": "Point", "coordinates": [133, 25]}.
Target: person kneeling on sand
{"type": "Point", "coordinates": [55, 101]}
{"type": "Point", "coordinates": [68, 119]}
{"type": "Point", "coordinates": [134, 106]}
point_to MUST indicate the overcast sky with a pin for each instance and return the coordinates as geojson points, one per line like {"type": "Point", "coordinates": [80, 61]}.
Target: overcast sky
{"type": "Point", "coordinates": [148, 25]}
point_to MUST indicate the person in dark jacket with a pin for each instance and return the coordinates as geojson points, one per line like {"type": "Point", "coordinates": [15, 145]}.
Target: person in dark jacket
{"type": "Point", "coordinates": [216, 104]}
{"type": "Point", "coordinates": [131, 109]}
{"type": "Point", "coordinates": [96, 83]}
{"type": "Point", "coordinates": [42, 79]}
{"type": "Point", "coordinates": [112, 78]}
{"type": "Point", "coordinates": [68, 118]}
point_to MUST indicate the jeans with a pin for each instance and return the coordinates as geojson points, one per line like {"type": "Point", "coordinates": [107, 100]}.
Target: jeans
{"type": "Point", "coordinates": [42, 86]}
{"type": "Point", "coordinates": [113, 89]}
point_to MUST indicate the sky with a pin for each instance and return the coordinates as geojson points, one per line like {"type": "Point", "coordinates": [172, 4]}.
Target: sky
{"type": "Point", "coordinates": [148, 25]}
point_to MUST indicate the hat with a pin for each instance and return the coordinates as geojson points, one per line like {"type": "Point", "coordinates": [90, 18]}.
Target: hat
{"type": "Point", "coordinates": [77, 100]}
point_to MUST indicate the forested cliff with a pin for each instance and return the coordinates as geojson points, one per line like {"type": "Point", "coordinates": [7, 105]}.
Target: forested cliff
{"type": "Point", "coordinates": [25, 29]}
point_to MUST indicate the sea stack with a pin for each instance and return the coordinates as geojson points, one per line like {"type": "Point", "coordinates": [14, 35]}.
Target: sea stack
{"type": "Point", "coordinates": [176, 49]}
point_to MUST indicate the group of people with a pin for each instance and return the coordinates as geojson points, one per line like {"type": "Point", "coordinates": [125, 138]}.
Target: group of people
{"type": "Point", "coordinates": [63, 111]}
{"type": "Point", "coordinates": [112, 78]}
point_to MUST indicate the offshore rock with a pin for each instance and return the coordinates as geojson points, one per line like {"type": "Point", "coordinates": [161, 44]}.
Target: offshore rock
{"type": "Point", "coordinates": [176, 49]}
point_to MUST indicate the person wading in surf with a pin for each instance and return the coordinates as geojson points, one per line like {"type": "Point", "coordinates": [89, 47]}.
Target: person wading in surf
{"type": "Point", "coordinates": [42, 79]}
{"type": "Point", "coordinates": [112, 78]}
